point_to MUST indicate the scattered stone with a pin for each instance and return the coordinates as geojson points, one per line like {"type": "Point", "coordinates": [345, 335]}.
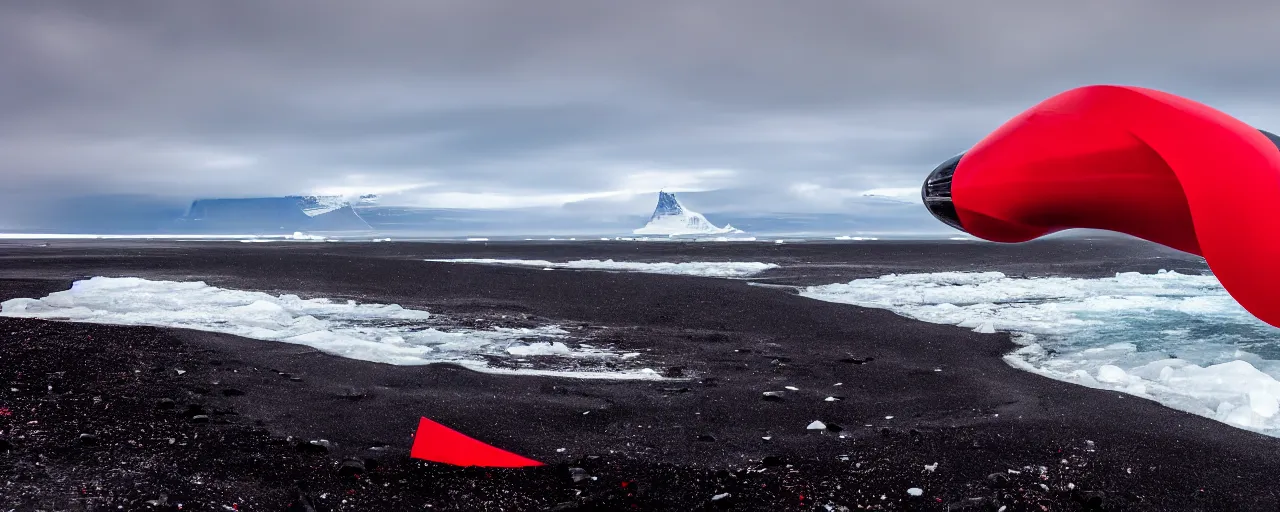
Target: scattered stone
{"type": "Point", "coordinates": [166, 403]}
{"type": "Point", "coordinates": [200, 418]}
{"type": "Point", "coordinates": [915, 491]}
{"type": "Point", "coordinates": [833, 399]}
{"type": "Point", "coordinates": [931, 467]}
{"type": "Point", "coordinates": [232, 392]}
{"type": "Point", "coordinates": [88, 439]}
{"type": "Point", "coordinates": [817, 425]}
{"type": "Point", "coordinates": [719, 497]}
{"type": "Point", "coordinates": [180, 372]}
{"type": "Point", "coordinates": [998, 479]}
{"type": "Point", "coordinates": [578, 474]}
{"type": "Point", "coordinates": [351, 467]}
{"type": "Point", "coordinates": [792, 388]}
{"type": "Point", "coordinates": [773, 396]}
{"type": "Point", "coordinates": [317, 447]}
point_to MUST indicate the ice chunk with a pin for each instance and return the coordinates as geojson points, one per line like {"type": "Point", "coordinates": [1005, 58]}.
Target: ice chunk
{"type": "Point", "coordinates": [540, 349]}
{"type": "Point", "coordinates": [383, 333]}
{"type": "Point", "coordinates": [1176, 338]}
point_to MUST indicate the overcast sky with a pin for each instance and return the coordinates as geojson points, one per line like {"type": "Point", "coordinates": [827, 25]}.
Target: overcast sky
{"type": "Point", "coordinates": [791, 105]}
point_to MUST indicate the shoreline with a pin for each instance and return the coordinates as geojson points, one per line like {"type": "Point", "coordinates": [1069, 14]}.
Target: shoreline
{"type": "Point", "coordinates": [677, 445]}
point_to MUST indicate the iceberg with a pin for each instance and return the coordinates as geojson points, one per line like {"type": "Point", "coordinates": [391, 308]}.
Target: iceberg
{"type": "Point", "coordinates": [671, 218]}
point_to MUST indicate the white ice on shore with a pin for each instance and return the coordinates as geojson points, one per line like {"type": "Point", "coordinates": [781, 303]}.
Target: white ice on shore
{"type": "Point", "coordinates": [381, 333]}
{"type": "Point", "coordinates": [1175, 338]}
{"type": "Point", "coordinates": [692, 268]}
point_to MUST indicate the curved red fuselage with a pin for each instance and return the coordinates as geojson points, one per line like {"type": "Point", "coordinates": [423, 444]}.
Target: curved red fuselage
{"type": "Point", "coordinates": [1137, 161]}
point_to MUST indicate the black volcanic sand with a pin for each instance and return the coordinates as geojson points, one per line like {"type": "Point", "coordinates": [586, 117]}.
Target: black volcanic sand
{"type": "Point", "coordinates": [100, 418]}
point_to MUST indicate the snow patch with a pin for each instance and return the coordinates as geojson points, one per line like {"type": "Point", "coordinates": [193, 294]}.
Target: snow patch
{"type": "Point", "coordinates": [702, 269]}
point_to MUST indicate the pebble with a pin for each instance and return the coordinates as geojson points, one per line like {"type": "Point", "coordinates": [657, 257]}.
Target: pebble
{"type": "Point", "coordinates": [773, 396]}
{"type": "Point", "coordinates": [792, 388]}
{"type": "Point", "coordinates": [320, 446]}
{"type": "Point", "coordinates": [88, 439]}
{"type": "Point", "coordinates": [915, 491]}
{"type": "Point", "coordinates": [200, 418]}
{"type": "Point", "coordinates": [719, 497]}
{"type": "Point", "coordinates": [351, 467]}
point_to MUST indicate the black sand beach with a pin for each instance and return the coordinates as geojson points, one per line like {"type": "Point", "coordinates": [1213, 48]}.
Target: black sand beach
{"type": "Point", "coordinates": [97, 418]}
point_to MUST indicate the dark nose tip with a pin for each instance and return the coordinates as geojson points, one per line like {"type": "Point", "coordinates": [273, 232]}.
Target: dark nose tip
{"type": "Point", "coordinates": [936, 193]}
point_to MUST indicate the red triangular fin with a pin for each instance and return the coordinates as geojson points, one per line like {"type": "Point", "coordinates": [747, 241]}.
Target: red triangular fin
{"type": "Point", "coordinates": [437, 443]}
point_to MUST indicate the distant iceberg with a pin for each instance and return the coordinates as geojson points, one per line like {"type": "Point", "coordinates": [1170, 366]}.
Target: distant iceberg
{"type": "Point", "coordinates": [274, 214]}
{"type": "Point", "coordinates": [672, 218]}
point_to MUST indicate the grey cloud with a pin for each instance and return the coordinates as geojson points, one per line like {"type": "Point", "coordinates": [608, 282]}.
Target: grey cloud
{"type": "Point", "coordinates": [561, 96]}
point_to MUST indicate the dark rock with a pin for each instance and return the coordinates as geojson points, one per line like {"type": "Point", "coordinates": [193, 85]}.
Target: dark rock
{"type": "Point", "coordinates": [674, 372]}
{"type": "Point", "coordinates": [193, 410]}
{"type": "Point", "coordinates": [200, 418]}
{"type": "Point", "coordinates": [300, 502]}
{"type": "Point", "coordinates": [854, 360]}
{"type": "Point", "coordinates": [832, 427]}
{"type": "Point", "coordinates": [88, 439]}
{"type": "Point", "coordinates": [771, 461]}
{"type": "Point", "coordinates": [166, 403]}
{"type": "Point", "coordinates": [5, 445]}
{"type": "Point", "coordinates": [706, 438]}
{"type": "Point", "coordinates": [772, 396]}
{"type": "Point", "coordinates": [232, 392]}
{"type": "Point", "coordinates": [316, 447]}
{"type": "Point", "coordinates": [371, 464]}
{"type": "Point", "coordinates": [295, 379]}
{"type": "Point", "coordinates": [578, 474]}
{"type": "Point", "coordinates": [998, 479]}
{"type": "Point", "coordinates": [675, 390]}
{"type": "Point", "coordinates": [351, 467]}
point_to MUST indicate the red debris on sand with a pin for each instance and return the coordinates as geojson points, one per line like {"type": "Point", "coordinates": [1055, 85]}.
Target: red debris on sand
{"type": "Point", "coordinates": [437, 443]}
